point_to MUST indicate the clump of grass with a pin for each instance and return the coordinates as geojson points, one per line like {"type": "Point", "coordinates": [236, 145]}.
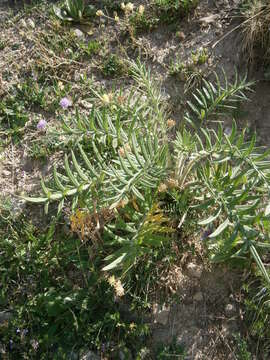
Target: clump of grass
{"type": "Point", "coordinates": [60, 302]}
{"type": "Point", "coordinates": [256, 315]}
{"type": "Point", "coordinates": [171, 10]}
{"type": "Point", "coordinates": [256, 28]}
{"type": "Point", "coordinates": [113, 67]}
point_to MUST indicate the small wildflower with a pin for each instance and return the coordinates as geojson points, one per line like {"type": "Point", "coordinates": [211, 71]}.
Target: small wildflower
{"type": "Point", "coordinates": [129, 7]}
{"type": "Point", "coordinates": [141, 9]}
{"type": "Point", "coordinates": [123, 6]}
{"type": "Point", "coordinates": [162, 188]}
{"type": "Point", "coordinates": [171, 123]}
{"type": "Point", "coordinates": [106, 98]}
{"type": "Point", "coordinates": [123, 149]}
{"type": "Point", "coordinates": [111, 280]}
{"type": "Point", "coordinates": [120, 99]}
{"type": "Point", "coordinates": [116, 18]}
{"type": "Point", "coordinates": [42, 124]}
{"type": "Point", "coordinates": [172, 183]}
{"type": "Point", "coordinates": [132, 325]}
{"type": "Point", "coordinates": [122, 203]}
{"type": "Point", "coordinates": [117, 285]}
{"type": "Point", "coordinates": [121, 152]}
{"type": "Point", "coordinates": [206, 233]}
{"type": "Point", "coordinates": [181, 36]}
{"type": "Point", "coordinates": [100, 13]}
{"type": "Point", "coordinates": [119, 290]}
{"type": "Point", "coordinates": [65, 103]}
{"type": "Point", "coordinates": [61, 86]}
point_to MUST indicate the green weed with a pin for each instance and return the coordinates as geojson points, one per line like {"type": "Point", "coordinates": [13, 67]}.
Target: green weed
{"type": "Point", "coordinates": [75, 11]}
{"type": "Point", "coordinates": [171, 10]}
{"type": "Point", "coordinates": [171, 351]}
{"type": "Point", "coordinates": [59, 300]}
{"type": "Point", "coordinates": [113, 67]}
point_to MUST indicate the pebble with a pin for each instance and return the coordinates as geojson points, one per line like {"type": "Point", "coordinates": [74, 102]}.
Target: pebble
{"type": "Point", "coordinates": [6, 173]}
{"type": "Point", "coordinates": [230, 309]}
{"type": "Point", "coordinates": [90, 355]}
{"type": "Point", "coordinates": [209, 19]}
{"type": "Point", "coordinates": [78, 33]}
{"type": "Point", "coordinates": [161, 314]}
{"type": "Point", "coordinates": [181, 36]}
{"type": "Point", "coordinates": [194, 270]}
{"type": "Point", "coordinates": [198, 296]}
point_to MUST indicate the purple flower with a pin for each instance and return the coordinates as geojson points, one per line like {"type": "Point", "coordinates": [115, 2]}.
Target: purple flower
{"type": "Point", "coordinates": [65, 103]}
{"type": "Point", "coordinates": [42, 124]}
{"type": "Point", "coordinates": [206, 233]}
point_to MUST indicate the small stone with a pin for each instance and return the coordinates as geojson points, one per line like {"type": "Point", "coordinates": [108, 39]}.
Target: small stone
{"type": "Point", "coordinates": [209, 19]}
{"type": "Point", "coordinates": [161, 314]}
{"type": "Point", "coordinates": [31, 23]}
{"type": "Point", "coordinates": [230, 309]}
{"type": "Point", "coordinates": [78, 33]}
{"type": "Point", "coordinates": [181, 36]}
{"type": "Point", "coordinates": [198, 296]}
{"type": "Point", "coordinates": [194, 270]}
{"type": "Point", "coordinates": [6, 173]}
{"type": "Point", "coordinates": [90, 355]}
{"type": "Point", "coordinates": [228, 328]}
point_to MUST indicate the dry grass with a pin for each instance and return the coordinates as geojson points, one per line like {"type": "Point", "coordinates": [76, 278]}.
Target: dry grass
{"type": "Point", "coordinates": [256, 29]}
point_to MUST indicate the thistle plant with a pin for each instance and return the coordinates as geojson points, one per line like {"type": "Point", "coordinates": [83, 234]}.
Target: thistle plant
{"type": "Point", "coordinates": [123, 163]}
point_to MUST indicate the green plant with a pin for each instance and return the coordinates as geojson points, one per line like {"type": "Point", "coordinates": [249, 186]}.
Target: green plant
{"type": "Point", "coordinates": [216, 100]}
{"type": "Point", "coordinates": [242, 348]}
{"type": "Point", "coordinates": [91, 48]}
{"type": "Point", "coordinates": [200, 56]}
{"type": "Point", "coordinates": [256, 314]}
{"type": "Point", "coordinates": [60, 302]}
{"type": "Point", "coordinates": [13, 116]}
{"type": "Point", "coordinates": [140, 21]}
{"type": "Point", "coordinates": [173, 350]}
{"type": "Point", "coordinates": [170, 10]}
{"type": "Point", "coordinates": [187, 72]}
{"type": "Point", "coordinates": [112, 66]}
{"type": "Point", "coordinates": [227, 178]}
{"type": "Point", "coordinates": [74, 11]}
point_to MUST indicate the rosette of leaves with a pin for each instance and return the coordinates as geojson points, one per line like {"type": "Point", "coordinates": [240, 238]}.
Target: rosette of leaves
{"type": "Point", "coordinates": [74, 11]}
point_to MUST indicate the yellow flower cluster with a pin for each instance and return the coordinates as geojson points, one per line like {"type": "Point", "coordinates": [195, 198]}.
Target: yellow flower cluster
{"type": "Point", "coordinates": [117, 285]}
{"type": "Point", "coordinates": [171, 123]}
{"type": "Point", "coordinates": [129, 7]}
{"type": "Point", "coordinates": [107, 98]}
{"type": "Point", "coordinates": [100, 13]}
{"type": "Point", "coordinates": [124, 148]}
